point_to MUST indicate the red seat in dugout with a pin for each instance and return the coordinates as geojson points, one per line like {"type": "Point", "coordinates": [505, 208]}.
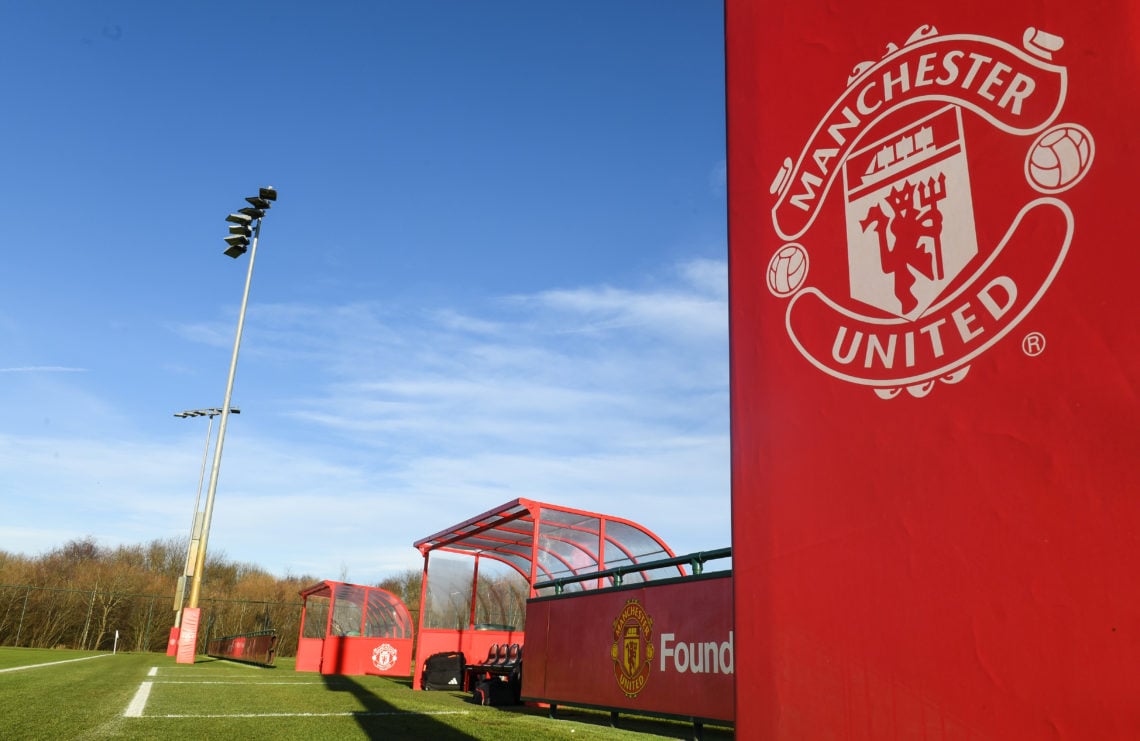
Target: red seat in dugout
{"type": "Point", "coordinates": [501, 660]}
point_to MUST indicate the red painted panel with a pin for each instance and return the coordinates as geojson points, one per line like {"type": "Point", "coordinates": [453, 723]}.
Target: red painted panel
{"type": "Point", "coordinates": [355, 655]}
{"type": "Point", "coordinates": [935, 367]}
{"type": "Point", "coordinates": [309, 654]}
{"type": "Point", "coordinates": [664, 648]}
{"type": "Point", "coordinates": [188, 635]}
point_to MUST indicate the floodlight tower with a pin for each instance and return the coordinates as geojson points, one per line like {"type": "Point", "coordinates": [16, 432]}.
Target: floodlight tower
{"type": "Point", "coordinates": [244, 231]}
{"type": "Point", "coordinates": [196, 523]}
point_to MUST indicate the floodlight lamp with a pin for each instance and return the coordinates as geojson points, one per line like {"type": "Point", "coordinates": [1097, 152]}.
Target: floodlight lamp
{"type": "Point", "coordinates": [235, 251]}
{"type": "Point", "coordinates": [269, 193]}
{"type": "Point", "coordinates": [257, 202]}
{"type": "Point", "coordinates": [237, 240]}
{"type": "Point", "coordinates": [239, 219]}
{"type": "Point", "coordinates": [252, 213]}
{"type": "Point", "coordinates": [241, 229]}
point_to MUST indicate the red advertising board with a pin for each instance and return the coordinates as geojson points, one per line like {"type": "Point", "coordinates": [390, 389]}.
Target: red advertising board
{"type": "Point", "coordinates": [935, 367]}
{"type": "Point", "coordinates": [663, 647]}
{"type": "Point", "coordinates": [253, 648]}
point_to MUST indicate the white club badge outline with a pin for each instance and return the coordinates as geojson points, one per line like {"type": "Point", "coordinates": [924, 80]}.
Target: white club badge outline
{"type": "Point", "coordinates": [794, 287]}
{"type": "Point", "coordinates": [384, 656]}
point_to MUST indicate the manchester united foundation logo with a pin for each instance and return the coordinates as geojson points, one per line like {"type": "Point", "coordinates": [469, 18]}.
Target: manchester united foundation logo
{"type": "Point", "coordinates": [950, 163]}
{"type": "Point", "coordinates": [632, 649]}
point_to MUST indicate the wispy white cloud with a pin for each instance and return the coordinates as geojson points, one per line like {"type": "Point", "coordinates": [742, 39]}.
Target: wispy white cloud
{"type": "Point", "coordinates": [385, 424]}
{"type": "Point", "coordinates": [693, 308]}
{"type": "Point", "coordinates": [707, 276]}
{"type": "Point", "coordinates": [659, 313]}
{"type": "Point", "coordinates": [451, 320]}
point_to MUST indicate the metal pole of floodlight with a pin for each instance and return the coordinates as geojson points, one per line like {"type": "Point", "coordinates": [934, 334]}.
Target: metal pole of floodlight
{"type": "Point", "coordinates": [237, 242]}
{"type": "Point", "coordinates": [196, 522]}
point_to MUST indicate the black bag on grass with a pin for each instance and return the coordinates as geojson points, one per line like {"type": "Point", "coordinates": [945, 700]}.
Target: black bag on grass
{"type": "Point", "coordinates": [443, 671]}
{"type": "Point", "coordinates": [495, 690]}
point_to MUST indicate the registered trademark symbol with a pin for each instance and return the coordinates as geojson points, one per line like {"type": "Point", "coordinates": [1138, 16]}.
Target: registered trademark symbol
{"type": "Point", "coordinates": [1033, 344]}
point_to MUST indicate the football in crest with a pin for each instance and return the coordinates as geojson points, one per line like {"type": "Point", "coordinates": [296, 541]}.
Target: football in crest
{"type": "Point", "coordinates": [787, 270]}
{"type": "Point", "coordinates": [1059, 158]}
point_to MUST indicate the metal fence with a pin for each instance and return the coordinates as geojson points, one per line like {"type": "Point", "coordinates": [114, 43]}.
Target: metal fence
{"type": "Point", "coordinates": [97, 619]}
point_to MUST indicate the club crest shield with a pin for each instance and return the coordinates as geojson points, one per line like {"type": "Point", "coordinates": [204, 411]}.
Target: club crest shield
{"type": "Point", "coordinates": [632, 649]}
{"type": "Point", "coordinates": [900, 192]}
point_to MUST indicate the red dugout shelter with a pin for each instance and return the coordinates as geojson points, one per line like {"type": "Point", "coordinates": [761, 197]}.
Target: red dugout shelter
{"type": "Point", "coordinates": [354, 629]}
{"type": "Point", "coordinates": [462, 610]}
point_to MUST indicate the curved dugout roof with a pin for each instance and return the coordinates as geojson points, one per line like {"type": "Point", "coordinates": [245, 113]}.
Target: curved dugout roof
{"type": "Point", "coordinates": [373, 611]}
{"type": "Point", "coordinates": [546, 541]}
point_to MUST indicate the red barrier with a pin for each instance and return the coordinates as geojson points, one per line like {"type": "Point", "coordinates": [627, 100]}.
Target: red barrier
{"type": "Point", "coordinates": [664, 648]}
{"type": "Point", "coordinates": [252, 648]}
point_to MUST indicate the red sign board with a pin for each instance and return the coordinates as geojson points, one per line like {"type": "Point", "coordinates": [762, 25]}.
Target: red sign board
{"type": "Point", "coordinates": [935, 367]}
{"type": "Point", "coordinates": [663, 648]}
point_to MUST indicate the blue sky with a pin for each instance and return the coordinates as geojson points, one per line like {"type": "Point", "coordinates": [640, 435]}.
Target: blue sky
{"type": "Point", "coordinates": [496, 269]}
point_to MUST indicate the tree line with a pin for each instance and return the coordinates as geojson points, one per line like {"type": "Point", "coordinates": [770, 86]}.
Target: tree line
{"type": "Point", "coordinates": [81, 595]}
{"type": "Point", "coordinates": [89, 597]}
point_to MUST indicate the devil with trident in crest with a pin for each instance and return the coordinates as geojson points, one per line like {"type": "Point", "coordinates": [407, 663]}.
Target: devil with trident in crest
{"type": "Point", "coordinates": [916, 225]}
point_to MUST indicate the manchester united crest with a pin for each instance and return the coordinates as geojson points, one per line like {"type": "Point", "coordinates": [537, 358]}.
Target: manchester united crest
{"type": "Point", "coordinates": [632, 649]}
{"type": "Point", "coordinates": [384, 656]}
{"type": "Point", "coordinates": [951, 164]}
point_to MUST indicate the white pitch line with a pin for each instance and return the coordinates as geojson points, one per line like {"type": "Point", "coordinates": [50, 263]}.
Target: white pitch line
{"type": "Point", "coordinates": [358, 714]}
{"type": "Point", "coordinates": [138, 702]}
{"type": "Point", "coordinates": [51, 663]}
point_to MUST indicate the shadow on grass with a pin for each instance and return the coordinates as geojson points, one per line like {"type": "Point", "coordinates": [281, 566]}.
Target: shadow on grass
{"type": "Point", "coordinates": [658, 727]}
{"type": "Point", "coordinates": [213, 659]}
{"type": "Point", "coordinates": [382, 720]}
